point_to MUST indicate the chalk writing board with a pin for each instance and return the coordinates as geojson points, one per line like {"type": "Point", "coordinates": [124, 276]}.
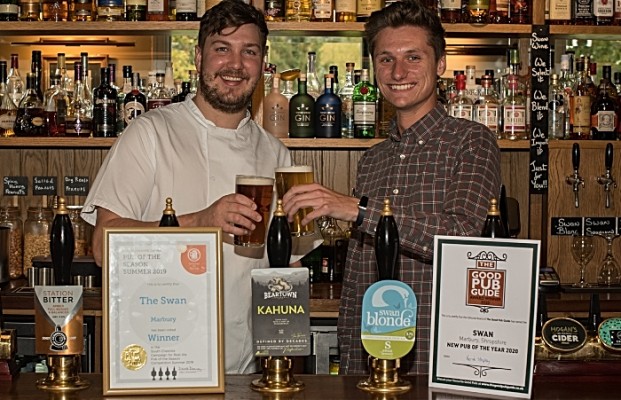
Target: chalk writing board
{"type": "Point", "coordinates": [44, 185]}
{"type": "Point", "coordinates": [600, 225]}
{"type": "Point", "coordinates": [76, 185]}
{"type": "Point", "coordinates": [540, 82]}
{"type": "Point", "coordinates": [570, 226]}
{"type": "Point", "coordinates": [15, 185]}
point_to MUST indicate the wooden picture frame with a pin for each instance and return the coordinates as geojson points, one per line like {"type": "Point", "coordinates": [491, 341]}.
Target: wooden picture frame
{"type": "Point", "coordinates": [162, 311]}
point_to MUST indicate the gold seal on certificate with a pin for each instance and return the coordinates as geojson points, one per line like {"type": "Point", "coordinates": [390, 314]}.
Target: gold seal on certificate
{"type": "Point", "coordinates": [134, 357]}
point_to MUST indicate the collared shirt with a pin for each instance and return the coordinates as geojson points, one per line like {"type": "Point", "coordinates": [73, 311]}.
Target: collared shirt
{"type": "Point", "coordinates": [439, 175]}
{"type": "Point", "coordinates": [174, 151]}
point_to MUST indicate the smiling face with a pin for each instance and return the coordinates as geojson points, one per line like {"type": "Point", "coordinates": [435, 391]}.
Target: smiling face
{"type": "Point", "coordinates": [230, 65]}
{"type": "Point", "coordinates": [406, 71]}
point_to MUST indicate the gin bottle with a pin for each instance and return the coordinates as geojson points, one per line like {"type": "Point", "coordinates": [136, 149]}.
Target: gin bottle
{"type": "Point", "coordinates": [365, 100]}
{"type": "Point", "coordinates": [347, 103]}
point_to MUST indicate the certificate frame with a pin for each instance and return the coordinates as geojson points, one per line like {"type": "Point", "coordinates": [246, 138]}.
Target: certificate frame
{"type": "Point", "coordinates": [162, 327]}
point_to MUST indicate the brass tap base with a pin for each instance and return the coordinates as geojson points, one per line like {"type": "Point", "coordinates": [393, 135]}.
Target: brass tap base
{"type": "Point", "coordinates": [277, 377]}
{"type": "Point", "coordinates": [384, 377]}
{"type": "Point", "coordinates": [63, 374]}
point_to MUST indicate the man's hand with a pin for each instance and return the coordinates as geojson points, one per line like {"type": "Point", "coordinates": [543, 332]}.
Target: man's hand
{"type": "Point", "coordinates": [323, 201]}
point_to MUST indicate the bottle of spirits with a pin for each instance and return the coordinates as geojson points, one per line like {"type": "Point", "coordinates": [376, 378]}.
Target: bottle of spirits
{"type": "Point", "coordinates": [513, 111]}
{"type": "Point", "coordinates": [556, 109]}
{"type": "Point", "coordinates": [313, 86]}
{"type": "Point", "coordinates": [298, 10]}
{"type": "Point", "coordinates": [158, 96]}
{"type": "Point", "coordinates": [581, 105]}
{"type": "Point", "coordinates": [276, 111]}
{"type": "Point", "coordinates": [323, 10]}
{"type": "Point", "coordinates": [30, 120]}
{"type": "Point", "coordinates": [185, 10]}
{"type": "Point", "coordinates": [519, 11]}
{"type": "Point", "coordinates": [472, 88]}
{"type": "Point", "coordinates": [61, 69]}
{"type": "Point", "coordinates": [486, 106]}
{"type": "Point", "coordinates": [607, 78]}
{"type": "Point", "coordinates": [604, 117]}
{"type": "Point", "coordinates": [110, 10]}
{"type": "Point", "coordinates": [346, 94]}
{"type": "Point", "coordinates": [274, 10]}
{"type": "Point", "coordinates": [79, 119]}
{"type": "Point", "coordinates": [560, 12]}
{"type": "Point", "coordinates": [328, 112]}
{"type": "Point", "coordinates": [460, 106]}
{"type": "Point", "coordinates": [120, 98]}
{"type": "Point", "coordinates": [86, 82]}
{"type": "Point", "coordinates": [157, 10]}
{"type": "Point", "coordinates": [345, 10]}
{"type": "Point", "coordinates": [30, 10]}
{"type": "Point", "coordinates": [336, 85]}
{"type": "Point", "coordinates": [9, 10]}
{"type": "Point", "coordinates": [82, 10]}
{"type": "Point", "coordinates": [8, 109]}
{"type": "Point", "coordinates": [169, 81]}
{"type": "Point", "coordinates": [603, 12]}
{"type": "Point", "coordinates": [332, 234]}
{"type": "Point", "coordinates": [365, 113]}
{"type": "Point", "coordinates": [169, 217]}
{"type": "Point", "coordinates": [104, 111]}
{"type": "Point", "coordinates": [583, 12]}
{"type": "Point", "coordinates": [301, 110]}
{"type": "Point", "coordinates": [135, 101]}
{"type": "Point", "coordinates": [566, 82]}
{"type": "Point", "coordinates": [36, 70]}
{"type": "Point", "coordinates": [136, 10]}
{"type": "Point", "coordinates": [364, 8]}
{"type": "Point", "coordinates": [184, 92]}
{"type": "Point", "coordinates": [56, 104]}
{"type": "Point", "coordinates": [494, 227]}
{"type": "Point", "coordinates": [450, 11]}
{"type": "Point", "coordinates": [478, 11]}
{"type": "Point", "coordinates": [500, 13]}
{"type": "Point", "coordinates": [385, 113]}
{"type": "Point", "coordinates": [14, 82]}
{"type": "Point", "coordinates": [55, 10]}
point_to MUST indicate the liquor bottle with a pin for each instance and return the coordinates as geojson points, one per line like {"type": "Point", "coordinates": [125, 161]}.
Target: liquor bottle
{"type": "Point", "coordinates": [333, 238]}
{"type": "Point", "coordinates": [460, 106]}
{"type": "Point", "coordinates": [386, 243]}
{"type": "Point", "coordinates": [486, 106]}
{"type": "Point", "coordinates": [604, 117]}
{"type": "Point", "coordinates": [276, 111]}
{"type": "Point", "coordinates": [603, 12]}
{"type": "Point", "coordinates": [616, 16]}
{"type": "Point", "coordinates": [56, 103]}
{"type": "Point", "coordinates": [29, 10]}
{"type": "Point", "coordinates": [120, 98]}
{"type": "Point", "coordinates": [81, 10]}
{"type": "Point", "coordinates": [313, 86]}
{"type": "Point", "coordinates": [385, 113]}
{"type": "Point", "coordinates": [86, 82]}
{"type": "Point", "coordinates": [513, 111]}
{"type": "Point", "coordinates": [328, 112]}
{"type": "Point", "coordinates": [136, 10]}
{"type": "Point", "coordinates": [193, 81]}
{"type": "Point", "coordinates": [61, 69]}
{"type": "Point", "coordinates": [279, 240]}
{"type": "Point", "coordinates": [556, 109]}
{"type": "Point", "coordinates": [336, 85]}
{"type": "Point", "coordinates": [560, 12]}
{"type": "Point", "coordinates": [346, 94]}
{"type": "Point", "coordinates": [450, 11]}
{"type": "Point", "coordinates": [519, 11]}
{"type": "Point", "coordinates": [298, 10]}
{"type": "Point", "coordinates": [185, 10]}
{"type": "Point", "coordinates": [274, 10]}
{"type": "Point", "coordinates": [169, 81]}
{"type": "Point", "coordinates": [62, 244]}
{"type": "Point", "coordinates": [30, 119]}
{"type": "Point", "coordinates": [500, 15]}
{"type": "Point", "coordinates": [36, 70]}
{"type": "Point", "coordinates": [323, 10]}
{"type": "Point", "coordinates": [104, 110]}
{"type": "Point", "coordinates": [79, 119]}
{"type": "Point", "coordinates": [581, 105]}
{"type": "Point", "coordinates": [172, 10]}
{"type": "Point", "coordinates": [135, 101]}
{"type": "Point", "coordinates": [110, 10]}
{"type": "Point", "coordinates": [494, 227]}
{"type": "Point", "coordinates": [169, 217]}
{"type": "Point", "coordinates": [566, 82]}
{"type": "Point", "coordinates": [607, 78]}
{"type": "Point", "coordinates": [157, 10]}
{"type": "Point", "coordinates": [478, 11]}
{"type": "Point", "coordinates": [583, 12]}
{"type": "Point", "coordinates": [14, 82]}
{"type": "Point", "coordinates": [364, 99]}
{"type": "Point", "coordinates": [301, 110]}
{"type": "Point", "coordinates": [185, 91]}
{"type": "Point", "coordinates": [8, 109]}
{"type": "Point", "coordinates": [472, 88]}
{"type": "Point", "coordinates": [364, 8]}
{"type": "Point", "coordinates": [158, 96]}
{"type": "Point", "coordinates": [55, 10]}
{"type": "Point", "coordinates": [9, 10]}
{"type": "Point", "coordinates": [345, 10]}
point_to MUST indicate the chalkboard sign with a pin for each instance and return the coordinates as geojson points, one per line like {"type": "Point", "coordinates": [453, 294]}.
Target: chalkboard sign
{"type": "Point", "coordinates": [44, 185]}
{"type": "Point", "coordinates": [600, 225]}
{"type": "Point", "coordinates": [76, 185]}
{"type": "Point", "coordinates": [567, 226]}
{"type": "Point", "coordinates": [540, 83]}
{"type": "Point", "coordinates": [15, 185]}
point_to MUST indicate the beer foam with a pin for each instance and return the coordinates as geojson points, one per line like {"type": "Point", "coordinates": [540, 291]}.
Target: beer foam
{"type": "Point", "coordinates": [295, 168]}
{"type": "Point", "coordinates": [254, 180]}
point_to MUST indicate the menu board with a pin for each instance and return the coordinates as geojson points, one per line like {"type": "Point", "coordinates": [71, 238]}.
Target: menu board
{"type": "Point", "coordinates": [15, 186]}
{"type": "Point", "coordinates": [44, 185]}
{"type": "Point", "coordinates": [540, 83]}
{"type": "Point", "coordinates": [76, 185]}
{"type": "Point", "coordinates": [570, 226]}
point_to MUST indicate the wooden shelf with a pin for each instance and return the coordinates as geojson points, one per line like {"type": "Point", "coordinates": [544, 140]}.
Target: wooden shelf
{"type": "Point", "coordinates": [586, 32]}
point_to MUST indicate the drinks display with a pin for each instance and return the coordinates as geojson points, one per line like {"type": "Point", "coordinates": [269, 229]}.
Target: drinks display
{"type": "Point", "coordinates": [276, 111]}
{"type": "Point", "coordinates": [55, 10]}
{"type": "Point", "coordinates": [110, 10]}
{"type": "Point", "coordinates": [298, 10]}
{"type": "Point", "coordinates": [328, 112]}
{"type": "Point", "coordinates": [259, 189]}
{"type": "Point", "coordinates": [364, 99]}
{"type": "Point", "coordinates": [135, 102]}
{"type": "Point", "coordinates": [286, 178]}
{"type": "Point", "coordinates": [30, 120]}
{"type": "Point", "coordinates": [301, 110]}
{"type": "Point", "coordinates": [81, 10]}
{"type": "Point", "coordinates": [460, 106]}
{"type": "Point", "coordinates": [104, 110]}
{"type": "Point", "coordinates": [57, 103]}
{"type": "Point", "coordinates": [136, 10]}
{"type": "Point", "coordinates": [79, 120]}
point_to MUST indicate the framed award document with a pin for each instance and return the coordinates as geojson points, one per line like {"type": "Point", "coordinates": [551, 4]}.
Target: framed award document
{"type": "Point", "coordinates": [162, 311]}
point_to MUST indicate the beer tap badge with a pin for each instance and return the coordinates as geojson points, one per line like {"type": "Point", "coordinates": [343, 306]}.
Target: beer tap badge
{"type": "Point", "coordinates": [486, 282]}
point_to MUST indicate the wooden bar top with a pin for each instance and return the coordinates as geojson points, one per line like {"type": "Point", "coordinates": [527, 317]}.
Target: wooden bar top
{"type": "Point", "coordinates": [327, 387]}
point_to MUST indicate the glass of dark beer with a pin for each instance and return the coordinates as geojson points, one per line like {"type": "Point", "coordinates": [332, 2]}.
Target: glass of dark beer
{"type": "Point", "coordinates": [286, 178]}
{"type": "Point", "coordinates": [260, 190]}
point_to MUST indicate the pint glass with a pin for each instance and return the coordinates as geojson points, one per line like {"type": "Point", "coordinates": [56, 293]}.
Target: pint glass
{"type": "Point", "coordinates": [286, 178]}
{"type": "Point", "coordinates": [259, 189]}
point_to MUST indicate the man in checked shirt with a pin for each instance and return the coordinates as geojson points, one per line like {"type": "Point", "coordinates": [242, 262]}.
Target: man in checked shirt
{"type": "Point", "coordinates": [439, 173]}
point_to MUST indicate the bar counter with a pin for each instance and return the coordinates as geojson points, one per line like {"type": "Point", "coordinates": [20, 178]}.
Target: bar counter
{"type": "Point", "coordinates": [326, 387]}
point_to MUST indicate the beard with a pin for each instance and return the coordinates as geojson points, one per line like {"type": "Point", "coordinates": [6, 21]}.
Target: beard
{"type": "Point", "coordinates": [226, 102]}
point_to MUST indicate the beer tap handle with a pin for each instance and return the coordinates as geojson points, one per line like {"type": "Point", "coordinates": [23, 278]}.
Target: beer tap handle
{"type": "Point", "coordinates": [608, 157]}
{"type": "Point", "coordinates": [575, 156]}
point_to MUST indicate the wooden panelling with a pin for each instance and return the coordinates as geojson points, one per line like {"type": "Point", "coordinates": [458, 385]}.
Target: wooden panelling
{"type": "Point", "coordinates": [514, 172]}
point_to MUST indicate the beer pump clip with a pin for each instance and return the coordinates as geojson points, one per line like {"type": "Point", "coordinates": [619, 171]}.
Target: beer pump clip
{"type": "Point", "coordinates": [389, 310]}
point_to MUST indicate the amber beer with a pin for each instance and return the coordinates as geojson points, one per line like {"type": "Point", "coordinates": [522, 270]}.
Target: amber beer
{"type": "Point", "coordinates": [286, 178]}
{"type": "Point", "coordinates": [259, 189]}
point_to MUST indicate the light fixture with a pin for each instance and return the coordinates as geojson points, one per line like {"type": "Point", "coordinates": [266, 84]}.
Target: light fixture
{"type": "Point", "coordinates": [75, 42]}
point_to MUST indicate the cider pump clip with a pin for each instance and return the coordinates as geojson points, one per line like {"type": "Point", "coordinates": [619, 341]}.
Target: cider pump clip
{"type": "Point", "coordinates": [575, 180]}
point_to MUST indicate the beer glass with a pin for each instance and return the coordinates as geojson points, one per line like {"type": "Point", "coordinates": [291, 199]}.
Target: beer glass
{"type": "Point", "coordinates": [259, 189]}
{"type": "Point", "coordinates": [286, 178]}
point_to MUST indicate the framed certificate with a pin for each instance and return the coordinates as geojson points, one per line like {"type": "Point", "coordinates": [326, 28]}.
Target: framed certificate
{"type": "Point", "coordinates": [162, 311]}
